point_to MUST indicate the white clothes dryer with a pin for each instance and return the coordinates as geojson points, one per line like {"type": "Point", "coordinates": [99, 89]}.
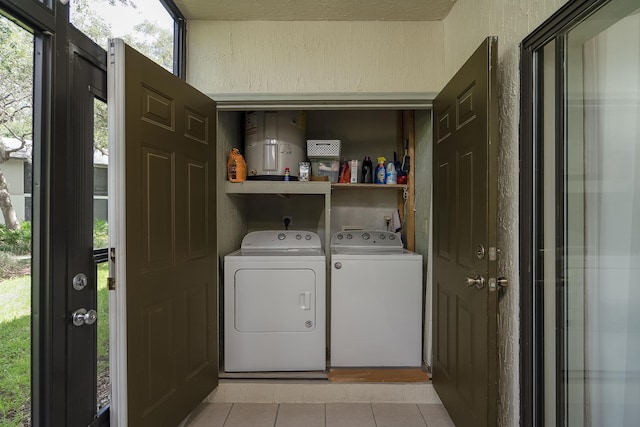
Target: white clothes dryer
{"type": "Point", "coordinates": [376, 301]}
{"type": "Point", "coordinates": [274, 303]}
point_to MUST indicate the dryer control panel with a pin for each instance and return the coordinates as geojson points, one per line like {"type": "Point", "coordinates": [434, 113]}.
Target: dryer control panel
{"type": "Point", "coordinates": [366, 239]}
{"type": "Point", "coordinates": [281, 240]}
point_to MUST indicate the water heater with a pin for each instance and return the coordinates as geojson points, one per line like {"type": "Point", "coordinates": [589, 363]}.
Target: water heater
{"type": "Point", "coordinates": [274, 141]}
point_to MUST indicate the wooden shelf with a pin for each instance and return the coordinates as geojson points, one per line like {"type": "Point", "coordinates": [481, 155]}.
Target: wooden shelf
{"type": "Point", "coordinates": [277, 187]}
{"type": "Point", "coordinates": [368, 186]}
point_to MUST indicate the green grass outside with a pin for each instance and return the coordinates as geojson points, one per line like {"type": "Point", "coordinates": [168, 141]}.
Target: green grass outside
{"type": "Point", "coordinates": [103, 320]}
{"type": "Point", "coordinates": [15, 350]}
{"type": "Point", "coordinates": [15, 345]}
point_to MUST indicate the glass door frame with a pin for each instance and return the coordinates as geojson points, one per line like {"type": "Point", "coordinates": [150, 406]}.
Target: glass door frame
{"type": "Point", "coordinates": [46, 355]}
{"type": "Point", "coordinates": [532, 274]}
{"type": "Point", "coordinates": [54, 396]}
{"type": "Point", "coordinates": [532, 327]}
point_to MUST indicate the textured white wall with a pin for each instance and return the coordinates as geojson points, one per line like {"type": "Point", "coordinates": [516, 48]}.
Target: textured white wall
{"type": "Point", "coordinates": [315, 57]}
{"type": "Point", "coordinates": [468, 23]}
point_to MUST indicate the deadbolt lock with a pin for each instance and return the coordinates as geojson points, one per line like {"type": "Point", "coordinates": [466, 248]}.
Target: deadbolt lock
{"type": "Point", "coordinates": [79, 281]}
{"type": "Point", "coordinates": [500, 282]}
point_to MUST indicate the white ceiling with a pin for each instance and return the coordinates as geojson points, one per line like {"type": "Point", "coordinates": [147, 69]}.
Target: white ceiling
{"type": "Point", "coordinates": [315, 10]}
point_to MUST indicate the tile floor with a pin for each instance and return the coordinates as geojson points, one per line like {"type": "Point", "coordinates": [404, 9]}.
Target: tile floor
{"type": "Point", "coordinates": [319, 414]}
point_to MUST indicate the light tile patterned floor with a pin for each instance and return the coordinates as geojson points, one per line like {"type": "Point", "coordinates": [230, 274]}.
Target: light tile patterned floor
{"type": "Point", "coordinates": [319, 415]}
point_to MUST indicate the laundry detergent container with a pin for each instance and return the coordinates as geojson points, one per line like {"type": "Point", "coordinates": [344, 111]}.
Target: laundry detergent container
{"type": "Point", "coordinates": [274, 141]}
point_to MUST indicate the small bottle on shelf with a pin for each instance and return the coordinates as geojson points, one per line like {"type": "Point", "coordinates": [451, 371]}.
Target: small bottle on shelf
{"type": "Point", "coordinates": [367, 170]}
{"type": "Point", "coordinates": [287, 173]}
{"type": "Point", "coordinates": [392, 174]}
{"type": "Point", "coordinates": [345, 173]}
{"type": "Point", "coordinates": [381, 171]}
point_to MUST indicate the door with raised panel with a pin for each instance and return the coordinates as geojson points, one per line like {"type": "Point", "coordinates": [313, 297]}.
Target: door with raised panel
{"type": "Point", "coordinates": [164, 233]}
{"type": "Point", "coordinates": [464, 256]}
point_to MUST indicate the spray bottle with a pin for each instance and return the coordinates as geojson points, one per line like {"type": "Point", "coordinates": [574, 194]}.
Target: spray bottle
{"type": "Point", "coordinates": [381, 171]}
{"type": "Point", "coordinates": [392, 174]}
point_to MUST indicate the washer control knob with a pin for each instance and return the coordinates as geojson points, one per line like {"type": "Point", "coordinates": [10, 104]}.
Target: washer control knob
{"type": "Point", "coordinates": [392, 237]}
{"type": "Point", "coordinates": [298, 237]}
{"type": "Point", "coordinates": [307, 237]}
{"type": "Point", "coordinates": [338, 265]}
{"type": "Point", "coordinates": [340, 237]}
{"type": "Point", "coordinates": [366, 236]}
{"type": "Point", "coordinates": [282, 236]}
{"type": "Point", "coordinates": [382, 236]}
{"type": "Point", "coordinates": [349, 236]}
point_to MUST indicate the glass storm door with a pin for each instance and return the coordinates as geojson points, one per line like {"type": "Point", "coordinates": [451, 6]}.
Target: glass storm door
{"type": "Point", "coordinates": [587, 231]}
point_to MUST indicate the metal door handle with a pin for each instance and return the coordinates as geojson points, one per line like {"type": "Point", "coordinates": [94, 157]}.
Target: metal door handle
{"type": "Point", "coordinates": [478, 282]}
{"type": "Point", "coordinates": [83, 317]}
{"type": "Point", "coordinates": [304, 299]}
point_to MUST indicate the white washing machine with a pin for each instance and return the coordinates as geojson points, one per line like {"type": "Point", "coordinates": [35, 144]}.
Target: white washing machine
{"type": "Point", "coordinates": [274, 303]}
{"type": "Point", "coordinates": [376, 301]}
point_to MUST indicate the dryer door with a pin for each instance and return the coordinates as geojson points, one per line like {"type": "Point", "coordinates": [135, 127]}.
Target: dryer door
{"type": "Point", "coordinates": [275, 300]}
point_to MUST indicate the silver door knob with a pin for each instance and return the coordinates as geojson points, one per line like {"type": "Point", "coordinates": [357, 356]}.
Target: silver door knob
{"type": "Point", "coordinates": [338, 265]}
{"type": "Point", "coordinates": [83, 317]}
{"type": "Point", "coordinates": [478, 282]}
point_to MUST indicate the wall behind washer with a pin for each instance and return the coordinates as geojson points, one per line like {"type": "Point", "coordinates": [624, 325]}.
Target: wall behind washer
{"type": "Point", "coordinates": [315, 57]}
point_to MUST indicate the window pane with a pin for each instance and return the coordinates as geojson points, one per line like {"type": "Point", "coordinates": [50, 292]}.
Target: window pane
{"type": "Point", "coordinates": [28, 185]}
{"type": "Point", "coordinates": [100, 175]}
{"type": "Point", "coordinates": [16, 133]}
{"type": "Point", "coordinates": [103, 392]}
{"type": "Point", "coordinates": [144, 24]}
{"type": "Point", "coordinates": [547, 139]}
{"type": "Point", "coordinates": [99, 179]}
{"type": "Point", "coordinates": [100, 241]}
{"type": "Point", "coordinates": [28, 176]}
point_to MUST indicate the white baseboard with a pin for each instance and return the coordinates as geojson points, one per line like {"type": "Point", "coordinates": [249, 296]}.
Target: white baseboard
{"type": "Point", "coordinates": [234, 391]}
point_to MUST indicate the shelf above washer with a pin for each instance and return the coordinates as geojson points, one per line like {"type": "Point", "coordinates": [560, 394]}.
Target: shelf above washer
{"type": "Point", "coordinates": [278, 187]}
{"type": "Point", "coordinates": [361, 186]}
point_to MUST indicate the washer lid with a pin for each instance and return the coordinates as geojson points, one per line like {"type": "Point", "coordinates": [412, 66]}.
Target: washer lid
{"type": "Point", "coordinates": [283, 240]}
{"type": "Point", "coordinates": [284, 253]}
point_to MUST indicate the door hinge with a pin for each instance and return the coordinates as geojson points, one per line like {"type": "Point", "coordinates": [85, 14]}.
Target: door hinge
{"type": "Point", "coordinates": [111, 283]}
{"type": "Point", "coordinates": [112, 254]}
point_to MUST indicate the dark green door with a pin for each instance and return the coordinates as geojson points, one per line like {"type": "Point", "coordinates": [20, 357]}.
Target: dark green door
{"type": "Point", "coordinates": [166, 262]}
{"type": "Point", "coordinates": [89, 83]}
{"type": "Point", "coordinates": [464, 256]}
